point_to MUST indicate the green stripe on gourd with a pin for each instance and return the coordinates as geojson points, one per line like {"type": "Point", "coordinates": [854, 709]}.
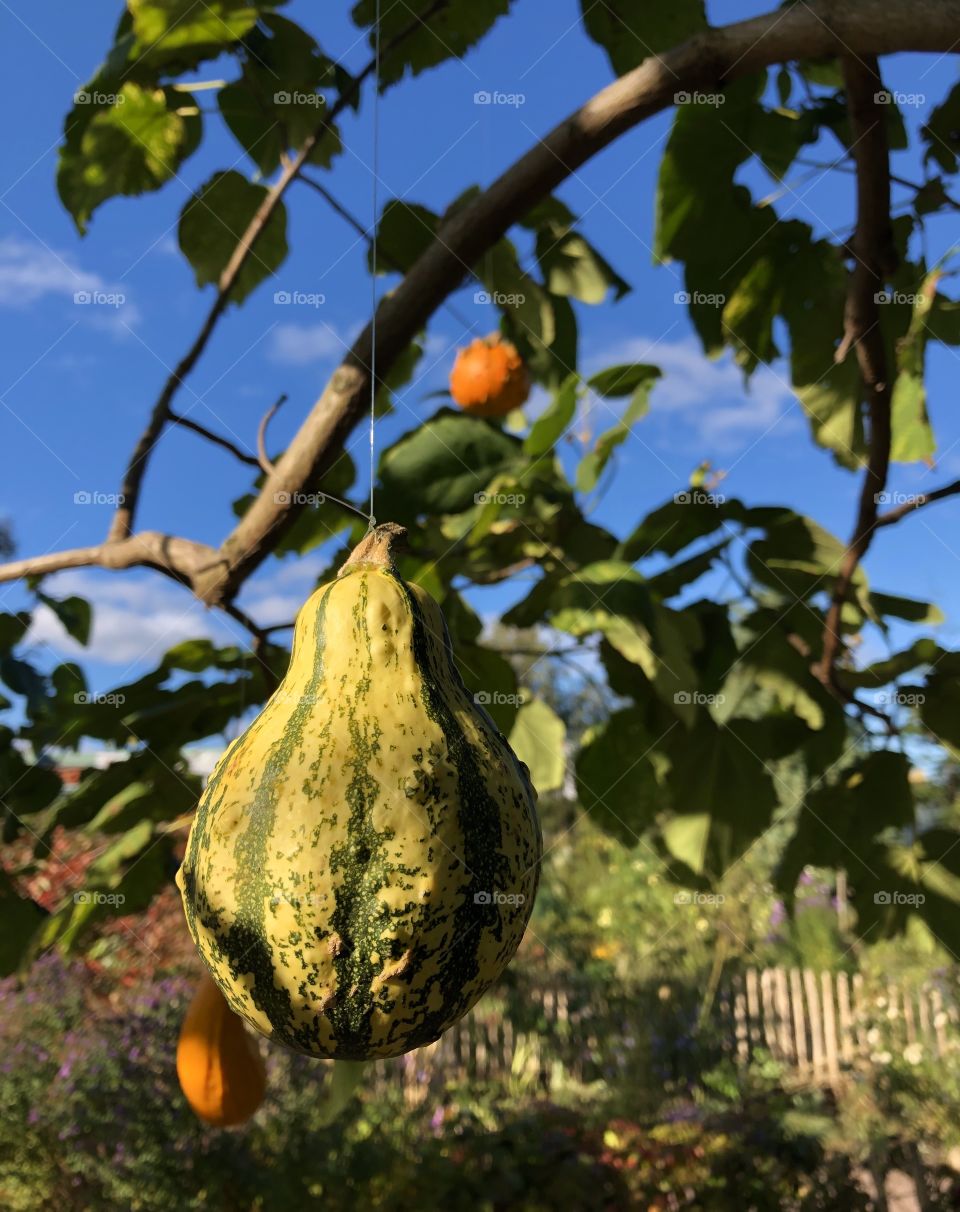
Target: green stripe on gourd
{"type": "Point", "coordinates": [365, 857]}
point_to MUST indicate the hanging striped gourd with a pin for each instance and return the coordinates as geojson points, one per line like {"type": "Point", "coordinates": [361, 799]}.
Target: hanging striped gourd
{"type": "Point", "coordinates": [219, 1065]}
{"type": "Point", "coordinates": [364, 859]}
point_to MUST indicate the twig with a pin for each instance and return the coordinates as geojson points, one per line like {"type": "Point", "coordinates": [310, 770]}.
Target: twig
{"type": "Point", "coordinates": [261, 460]}
{"type": "Point", "coordinates": [186, 423]}
{"type": "Point", "coordinates": [874, 260]}
{"type": "Point", "coordinates": [181, 559]}
{"type": "Point", "coordinates": [917, 502]}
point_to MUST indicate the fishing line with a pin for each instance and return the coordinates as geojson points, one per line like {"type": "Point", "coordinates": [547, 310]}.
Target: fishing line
{"type": "Point", "coordinates": [373, 272]}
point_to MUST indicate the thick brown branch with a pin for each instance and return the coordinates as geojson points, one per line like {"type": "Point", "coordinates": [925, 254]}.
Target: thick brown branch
{"type": "Point", "coordinates": [917, 502]}
{"type": "Point", "coordinates": [181, 559]}
{"type": "Point", "coordinates": [709, 60]}
{"type": "Point", "coordinates": [123, 519]}
{"type": "Point", "coordinates": [217, 439]}
{"type": "Point", "coordinates": [874, 261]}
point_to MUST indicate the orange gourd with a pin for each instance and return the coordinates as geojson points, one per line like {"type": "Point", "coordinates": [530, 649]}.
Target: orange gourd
{"type": "Point", "coordinates": [489, 378]}
{"type": "Point", "coordinates": [219, 1065]}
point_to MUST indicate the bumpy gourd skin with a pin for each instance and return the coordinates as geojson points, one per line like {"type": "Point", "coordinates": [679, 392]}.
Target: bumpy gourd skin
{"type": "Point", "coordinates": [365, 857]}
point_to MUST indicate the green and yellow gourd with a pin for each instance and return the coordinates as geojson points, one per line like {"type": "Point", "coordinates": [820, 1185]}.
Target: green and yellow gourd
{"type": "Point", "coordinates": [365, 857]}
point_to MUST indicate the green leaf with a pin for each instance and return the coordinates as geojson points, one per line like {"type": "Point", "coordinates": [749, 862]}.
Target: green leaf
{"type": "Point", "coordinates": [74, 613]}
{"type": "Point", "coordinates": [671, 581]}
{"type": "Point", "coordinates": [440, 467]}
{"type": "Point", "coordinates": [553, 421]}
{"type": "Point", "coordinates": [214, 220]}
{"type": "Point", "coordinates": [942, 132]}
{"type": "Point", "coordinates": [131, 145]}
{"type": "Point", "coordinates": [415, 45]}
{"type": "Point", "coordinates": [21, 918]}
{"type": "Point", "coordinates": [276, 103]}
{"type": "Point", "coordinates": [726, 783]}
{"type": "Point", "coordinates": [13, 627]}
{"type": "Point", "coordinates": [619, 776]}
{"type": "Point", "coordinates": [882, 673]}
{"type": "Point", "coordinates": [491, 679]}
{"type": "Point", "coordinates": [572, 267]}
{"type": "Point", "coordinates": [911, 609]}
{"type": "Point", "coordinates": [633, 30]}
{"type": "Point", "coordinates": [799, 557]}
{"type": "Point", "coordinates": [174, 26]}
{"type": "Point", "coordinates": [637, 381]}
{"type": "Point", "coordinates": [671, 527]}
{"type": "Point", "coordinates": [537, 738]}
{"type": "Point", "coordinates": [405, 232]}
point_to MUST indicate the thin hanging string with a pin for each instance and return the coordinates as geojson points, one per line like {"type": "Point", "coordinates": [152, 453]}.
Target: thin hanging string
{"type": "Point", "coordinates": [373, 275]}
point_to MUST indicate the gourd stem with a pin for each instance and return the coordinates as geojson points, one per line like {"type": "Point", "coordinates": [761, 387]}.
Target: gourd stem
{"type": "Point", "coordinates": [378, 546]}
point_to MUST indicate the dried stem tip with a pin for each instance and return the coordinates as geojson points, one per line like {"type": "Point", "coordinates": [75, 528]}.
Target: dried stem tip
{"type": "Point", "coordinates": [377, 547]}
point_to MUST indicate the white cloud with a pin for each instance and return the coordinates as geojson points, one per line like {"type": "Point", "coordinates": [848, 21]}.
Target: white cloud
{"type": "Point", "coordinates": [30, 271]}
{"type": "Point", "coordinates": [301, 344]}
{"type": "Point", "coordinates": [134, 621]}
{"type": "Point", "coordinates": [711, 395]}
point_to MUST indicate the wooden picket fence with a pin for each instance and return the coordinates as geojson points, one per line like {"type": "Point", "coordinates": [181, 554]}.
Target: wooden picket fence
{"type": "Point", "coordinates": [819, 1025]}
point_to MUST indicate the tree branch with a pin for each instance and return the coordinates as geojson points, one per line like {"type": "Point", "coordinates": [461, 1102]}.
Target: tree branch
{"type": "Point", "coordinates": [123, 519]}
{"type": "Point", "coordinates": [185, 423]}
{"type": "Point", "coordinates": [710, 59]}
{"type": "Point", "coordinates": [874, 259]}
{"type": "Point", "coordinates": [918, 502]}
{"type": "Point", "coordinates": [181, 559]}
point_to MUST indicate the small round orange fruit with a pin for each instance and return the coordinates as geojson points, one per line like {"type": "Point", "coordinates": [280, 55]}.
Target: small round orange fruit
{"type": "Point", "coordinates": [219, 1065]}
{"type": "Point", "coordinates": [489, 378]}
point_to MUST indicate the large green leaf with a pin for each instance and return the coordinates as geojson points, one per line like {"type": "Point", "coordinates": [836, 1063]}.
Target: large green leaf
{"type": "Point", "coordinates": [21, 919]}
{"type": "Point", "coordinates": [411, 44]}
{"type": "Point", "coordinates": [942, 132]}
{"type": "Point", "coordinates": [636, 381]}
{"type": "Point", "coordinates": [725, 784]}
{"type": "Point", "coordinates": [553, 421]}
{"type": "Point", "coordinates": [797, 556]}
{"type": "Point", "coordinates": [73, 612]}
{"type": "Point", "coordinates": [633, 30]}
{"type": "Point", "coordinates": [127, 142]}
{"type": "Point", "coordinates": [212, 223]}
{"type": "Point", "coordinates": [619, 776]}
{"type": "Point", "coordinates": [537, 738]}
{"type": "Point", "coordinates": [405, 231]}
{"type": "Point", "coordinates": [442, 466]}
{"type": "Point", "coordinates": [276, 103]}
{"type": "Point", "coordinates": [174, 27]}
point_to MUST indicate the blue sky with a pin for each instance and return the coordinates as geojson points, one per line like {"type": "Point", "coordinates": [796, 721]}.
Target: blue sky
{"type": "Point", "coordinates": [77, 381]}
